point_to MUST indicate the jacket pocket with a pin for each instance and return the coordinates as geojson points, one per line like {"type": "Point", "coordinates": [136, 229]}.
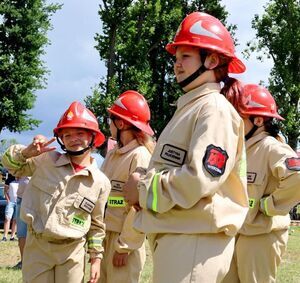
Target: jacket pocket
{"type": "Point", "coordinates": [75, 212]}
{"type": "Point", "coordinates": [44, 194]}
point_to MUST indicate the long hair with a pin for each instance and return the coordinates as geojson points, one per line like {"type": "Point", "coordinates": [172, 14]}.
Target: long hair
{"type": "Point", "coordinates": [273, 129]}
{"type": "Point", "coordinates": [144, 139]}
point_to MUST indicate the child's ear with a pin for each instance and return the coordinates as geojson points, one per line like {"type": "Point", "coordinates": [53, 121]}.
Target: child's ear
{"type": "Point", "coordinates": [212, 61]}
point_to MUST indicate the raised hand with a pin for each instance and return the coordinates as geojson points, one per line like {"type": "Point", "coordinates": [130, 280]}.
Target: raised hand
{"type": "Point", "coordinates": [38, 146]}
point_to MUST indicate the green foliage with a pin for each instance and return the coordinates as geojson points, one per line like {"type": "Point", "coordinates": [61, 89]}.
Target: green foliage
{"type": "Point", "coordinates": [278, 37]}
{"type": "Point", "coordinates": [132, 45]}
{"type": "Point", "coordinates": [23, 34]}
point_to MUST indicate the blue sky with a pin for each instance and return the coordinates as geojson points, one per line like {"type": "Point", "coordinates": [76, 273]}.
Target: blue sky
{"type": "Point", "coordinates": [75, 66]}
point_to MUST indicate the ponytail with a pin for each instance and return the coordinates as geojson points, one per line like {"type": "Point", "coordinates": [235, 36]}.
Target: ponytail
{"type": "Point", "coordinates": [144, 139]}
{"type": "Point", "coordinates": [273, 129]}
{"type": "Point", "coordinates": [232, 90]}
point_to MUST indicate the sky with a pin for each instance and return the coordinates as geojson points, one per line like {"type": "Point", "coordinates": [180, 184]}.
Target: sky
{"type": "Point", "coordinates": [75, 66]}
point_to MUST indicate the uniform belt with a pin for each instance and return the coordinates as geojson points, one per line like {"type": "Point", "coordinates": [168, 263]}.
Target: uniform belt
{"type": "Point", "coordinates": [51, 240]}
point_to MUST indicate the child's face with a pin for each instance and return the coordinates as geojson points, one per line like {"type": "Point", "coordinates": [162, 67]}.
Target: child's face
{"type": "Point", "coordinates": [75, 139]}
{"type": "Point", "coordinates": [187, 62]}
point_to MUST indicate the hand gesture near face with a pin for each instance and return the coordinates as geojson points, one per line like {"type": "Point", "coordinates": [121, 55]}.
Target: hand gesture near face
{"type": "Point", "coordinates": [38, 146]}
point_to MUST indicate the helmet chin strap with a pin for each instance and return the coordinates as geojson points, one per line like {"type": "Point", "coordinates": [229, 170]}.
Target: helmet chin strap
{"type": "Point", "coordinates": [197, 73]}
{"type": "Point", "coordinates": [75, 153]}
{"type": "Point", "coordinates": [252, 131]}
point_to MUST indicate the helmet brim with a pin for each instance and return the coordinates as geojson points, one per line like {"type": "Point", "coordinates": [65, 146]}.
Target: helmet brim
{"type": "Point", "coordinates": [140, 125]}
{"type": "Point", "coordinates": [99, 137]}
{"type": "Point", "coordinates": [236, 66]}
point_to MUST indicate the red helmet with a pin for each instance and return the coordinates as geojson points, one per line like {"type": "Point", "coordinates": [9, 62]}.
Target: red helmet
{"type": "Point", "coordinates": [207, 32]}
{"type": "Point", "coordinates": [78, 116]}
{"type": "Point", "coordinates": [257, 101]}
{"type": "Point", "coordinates": [133, 108]}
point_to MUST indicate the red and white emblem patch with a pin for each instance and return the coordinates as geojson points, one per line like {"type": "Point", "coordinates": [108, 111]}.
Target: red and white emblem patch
{"type": "Point", "coordinates": [293, 163]}
{"type": "Point", "coordinates": [214, 160]}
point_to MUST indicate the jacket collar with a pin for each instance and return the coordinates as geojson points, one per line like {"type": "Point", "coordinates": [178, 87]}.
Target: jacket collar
{"type": "Point", "coordinates": [197, 92]}
{"type": "Point", "coordinates": [64, 160]}
{"type": "Point", "coordinates": [254, 139]}
{"type": "Point", "coordinates": [128, 147]}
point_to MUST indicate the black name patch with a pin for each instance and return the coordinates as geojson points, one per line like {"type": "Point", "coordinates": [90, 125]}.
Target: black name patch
{"type": "Point", "coordinates": [214, 160]}
{"type": "Point", "coordinates": [117, 185]}
{"type": "Point", "coordinates": [87, 205]}
{"type": "Point", "coordinates": [251, 176]}
{"type": "Point", "coordinates": [173, 154]}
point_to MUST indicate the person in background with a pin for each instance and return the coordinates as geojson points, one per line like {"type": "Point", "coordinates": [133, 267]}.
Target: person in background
{"type": "Point", "coordinates": [10, 192]}
{"type": "Point", "coordinates": [21, 225]}
{"type": "Point", "coordinates": [273, 174]}
{"type": "Point", "coordinates": [194, 195]}
{"type": "Point", "coordinates": [64, 202]}
{"type": "Point", "coordinates": [125, 255]}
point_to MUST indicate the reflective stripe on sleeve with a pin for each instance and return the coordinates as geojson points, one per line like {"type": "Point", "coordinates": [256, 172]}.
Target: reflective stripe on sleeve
{"type": "Point", "coordinates": [152, 196]}
{"type": "Point", "coordinates": [13, 163]}
{"type": "Point", "coordinates": [116, 201]}
{"type": "Point", "coordinates": [243, 165]}
{"type": "Point", "coordinates": [263, 206]}
{"type": "Point", "coordinates": [94, 242]}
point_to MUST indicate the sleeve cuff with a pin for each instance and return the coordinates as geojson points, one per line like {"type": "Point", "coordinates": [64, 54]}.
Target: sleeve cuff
{"type": "Point", "coordinates": [96, 255]}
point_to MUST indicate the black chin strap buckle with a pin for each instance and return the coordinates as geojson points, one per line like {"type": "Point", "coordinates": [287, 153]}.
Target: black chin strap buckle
{"type": "Point", "coordinates": [197, 73]}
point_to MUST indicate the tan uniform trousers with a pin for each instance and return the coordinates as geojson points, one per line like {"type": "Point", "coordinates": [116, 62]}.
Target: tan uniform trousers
{"type": "Point", "coordinates": [256, 258]}
{"type": "Point", "coordinates": [197, 258]}
{"type": "Point", "coordinates": [129, 273]}
{"type": "Point", "coordinates": [46, 262]}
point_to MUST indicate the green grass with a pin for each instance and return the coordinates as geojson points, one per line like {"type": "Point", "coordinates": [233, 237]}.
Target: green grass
{"type": "Point", "coordinates": [289, 270]}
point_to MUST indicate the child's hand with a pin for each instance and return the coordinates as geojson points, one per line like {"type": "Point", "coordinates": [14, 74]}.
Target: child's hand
{"type": "Point", "coordinates": [120, 259]}
{"type": "Point", "coordinates": [95, 270]}
{"type": "Point", "coordinates": [38, 146]}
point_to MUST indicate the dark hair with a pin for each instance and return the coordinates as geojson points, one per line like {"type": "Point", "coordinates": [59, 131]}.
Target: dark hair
{"type": "Point", "coordinates": [232, 90]}
{"type": "Point", "coordinates": [272, 128]}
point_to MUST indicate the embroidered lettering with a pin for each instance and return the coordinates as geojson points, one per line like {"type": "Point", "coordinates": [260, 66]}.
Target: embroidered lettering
{"type": "Point", "coordinates": [173, 154]}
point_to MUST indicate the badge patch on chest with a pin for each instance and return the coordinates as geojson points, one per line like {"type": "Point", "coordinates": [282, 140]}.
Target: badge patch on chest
{"type": "Point", "coordinates": [117, 185]}
{"type": "Point", "coordinates": [251, 176]}
{"type": "Point", "coordinates": [173, 154]}
{"type": "Point", "coordinates": [87, 205]}
{"type": "Point", "coordinates": [77, 221]}
{"type": "Point", "coordinates": [214, 160]}
{"type": "Point", "coordinates": [293, 163]}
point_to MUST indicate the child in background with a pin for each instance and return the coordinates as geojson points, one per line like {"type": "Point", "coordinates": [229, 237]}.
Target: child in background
{"type": "Point", "coordinates": [10, 192]}
{"type": "Point", "coordinates": [273, 174]}
{"type": "Point", "coordinates": [125, 255]}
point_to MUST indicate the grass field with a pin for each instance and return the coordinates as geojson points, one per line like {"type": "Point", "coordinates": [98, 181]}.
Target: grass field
{"type": "Point", "coordinates": [289, 271]}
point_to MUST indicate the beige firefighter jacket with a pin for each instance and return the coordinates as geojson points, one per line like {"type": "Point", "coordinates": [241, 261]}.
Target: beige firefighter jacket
{"type": "Point", "coordinates": [196, 181]}
{"type": "Point", "coordinates": [58, 203]}
{"type": "Point", "coordinates": [273, 173]}
{"type": "Point", "coordinates": [118, 165]}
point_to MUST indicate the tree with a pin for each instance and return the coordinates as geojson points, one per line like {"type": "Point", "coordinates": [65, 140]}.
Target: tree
{"type": "Point", "coordinates": [4, 144]}
{"type": "Point", "coordinates": [132, 45]}
{"type": "Point", "coordinates": [23, 35]}
{"type": "Point", "coordinates": [278, 37]}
